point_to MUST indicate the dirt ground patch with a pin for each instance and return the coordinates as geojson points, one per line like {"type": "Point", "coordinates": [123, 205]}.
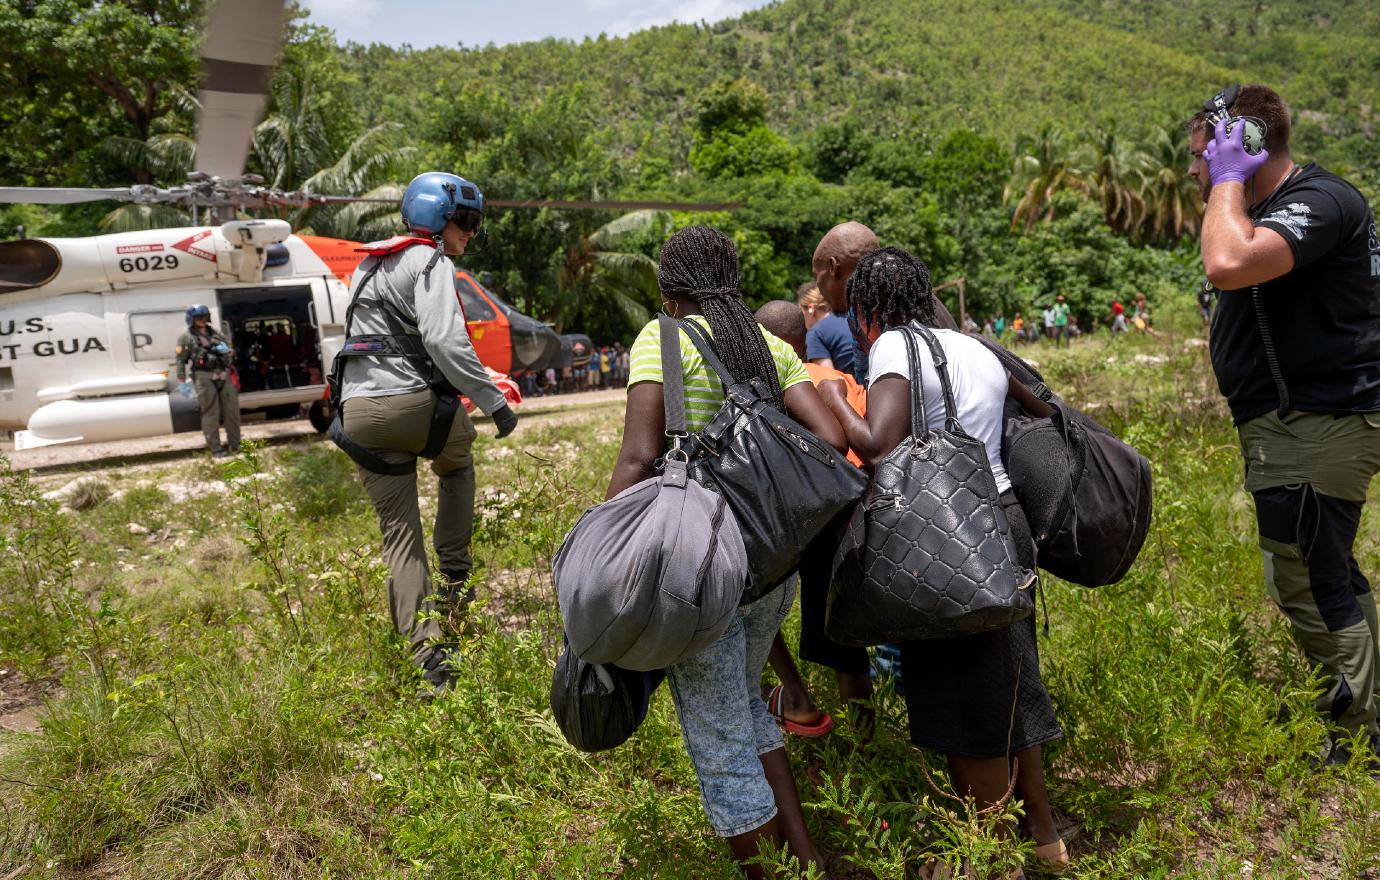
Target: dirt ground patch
{"type": "Point", "coordinates": [21, 705]}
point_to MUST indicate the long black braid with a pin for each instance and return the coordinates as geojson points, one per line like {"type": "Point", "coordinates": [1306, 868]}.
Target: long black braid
{"type": "Point", "coordinates": [892, 286]}
{"type": "Point", "coordinates": [701, 263]}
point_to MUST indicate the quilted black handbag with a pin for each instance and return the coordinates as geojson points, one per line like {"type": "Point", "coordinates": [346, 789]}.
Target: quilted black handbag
{"type": "Point", "coordinates": [929, 552]}
{"type": "Point", "coordinates": [783, 484]}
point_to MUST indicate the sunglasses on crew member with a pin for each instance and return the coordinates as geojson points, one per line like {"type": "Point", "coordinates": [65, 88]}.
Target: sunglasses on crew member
{"type": "Point", "coordinates": [468, 219]}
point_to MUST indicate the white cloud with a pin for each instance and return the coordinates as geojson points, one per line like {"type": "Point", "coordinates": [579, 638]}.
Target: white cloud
{"type": "Point", "coordinates": [661, 12]}
{"type": "Point", "coordinates": [343, 14]}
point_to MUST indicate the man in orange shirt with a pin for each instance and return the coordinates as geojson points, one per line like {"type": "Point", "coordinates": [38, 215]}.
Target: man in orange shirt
{"type": "Point", "coordinates": [791, 702]}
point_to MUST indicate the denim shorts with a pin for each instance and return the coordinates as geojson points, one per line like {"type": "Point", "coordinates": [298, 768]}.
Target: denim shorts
{"type": "Point", "coordinates": [725, 723]}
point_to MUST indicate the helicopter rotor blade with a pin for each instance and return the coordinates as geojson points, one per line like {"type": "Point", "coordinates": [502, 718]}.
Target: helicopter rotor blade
{"type": "Point", "coordinates": [237, 61]}
{"type": "Point", "coordinates": [558, 204]}
{"type": "Point", "coordinates": [57, 195]}
{"type": "Point", "coordinates": [583, 205]}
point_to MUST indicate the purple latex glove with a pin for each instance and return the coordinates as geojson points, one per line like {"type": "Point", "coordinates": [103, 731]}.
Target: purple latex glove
{"type": "Point", "coordinates": [1227, 158]}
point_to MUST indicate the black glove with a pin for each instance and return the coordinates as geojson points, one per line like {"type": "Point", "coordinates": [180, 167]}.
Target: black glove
{"type": "Point", "coordinates": [505, 420]}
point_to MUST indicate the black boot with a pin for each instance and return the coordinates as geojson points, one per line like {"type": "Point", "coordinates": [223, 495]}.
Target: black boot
{"type": "Point", "coordinates": [437, 667]}
{"type": "Point", "coordinates": [454, 595]}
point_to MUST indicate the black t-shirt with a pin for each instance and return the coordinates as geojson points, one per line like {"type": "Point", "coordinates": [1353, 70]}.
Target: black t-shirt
{"type": "Point", "coordinates": [1323, 316]}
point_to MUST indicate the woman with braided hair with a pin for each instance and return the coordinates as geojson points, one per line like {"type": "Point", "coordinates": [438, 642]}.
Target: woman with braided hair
{"type": "Point", "coordinates": [977, 698]}
{"type": "Point", "coordinates": [739, 756]}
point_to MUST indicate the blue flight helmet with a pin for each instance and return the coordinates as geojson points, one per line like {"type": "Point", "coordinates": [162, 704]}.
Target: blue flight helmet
{"type": "Point", "coordinates": [435, 197]}
{"type": "Point", "coordinates": [197, 311]}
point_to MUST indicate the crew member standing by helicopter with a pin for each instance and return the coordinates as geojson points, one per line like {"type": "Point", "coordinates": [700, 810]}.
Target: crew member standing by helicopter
{"type": "Point", "coordinates": [407, 356]}
{"type": "Point", "coordinates": [209, 356]}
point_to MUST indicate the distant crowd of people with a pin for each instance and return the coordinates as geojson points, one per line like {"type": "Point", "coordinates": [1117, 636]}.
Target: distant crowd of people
{"type": "Point", "coordinates": [599, 368]}
{"type": "Point", "coordinates": [1057, 323]}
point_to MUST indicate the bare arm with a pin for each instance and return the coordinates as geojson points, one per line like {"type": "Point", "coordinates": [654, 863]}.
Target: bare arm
{"type": "Point", "coordinates": [1027, 399]}
{"type": "Point", "coordinates": [887, 422]}
{"type": "Point", "coordinates": [803, 404]}
{"type": "Point", "coordinates": [823, 362]}
{"type": "Point", "coordinates": [644, 434]}
{"type": "Point", "coordinates": [1236, 252]}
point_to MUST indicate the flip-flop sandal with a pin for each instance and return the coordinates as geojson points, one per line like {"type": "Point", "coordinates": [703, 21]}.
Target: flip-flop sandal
{"type": "Point", "coordinates": [1054, 857]}
{"type": "Point", "coordinates": [824, 725]}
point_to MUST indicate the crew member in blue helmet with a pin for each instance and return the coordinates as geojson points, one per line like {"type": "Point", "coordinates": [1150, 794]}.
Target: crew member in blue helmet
{"type": "Point", "coordinates": [206, 354]}
{"type": "Point", "coordinates": [407, 357]}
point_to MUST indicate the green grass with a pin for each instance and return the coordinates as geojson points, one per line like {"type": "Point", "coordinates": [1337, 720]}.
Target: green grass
{"type": "Point", "coordinates": [233, 703]}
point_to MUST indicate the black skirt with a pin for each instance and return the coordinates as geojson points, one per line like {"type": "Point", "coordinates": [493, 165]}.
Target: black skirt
{"type": "Point", "coordinates": [981, 695]}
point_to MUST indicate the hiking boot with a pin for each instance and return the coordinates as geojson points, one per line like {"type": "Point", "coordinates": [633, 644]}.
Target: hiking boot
{"type": "Point", "coordinates": [453, 596]}
{"type": "Point", "coordinates": [1336, 751]}
{"type": "Point", "coordinates": [220, 452]}
{"type": "Point", "coordinates": [436, 668]}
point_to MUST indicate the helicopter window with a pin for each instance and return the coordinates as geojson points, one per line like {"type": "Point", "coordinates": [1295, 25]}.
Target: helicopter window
{"type": "Point", "coordinates": [475, 306]}
{"type": "Point", "coordinates": [153, 335]}
{"type": "Point", "coordinates": [6, 383]}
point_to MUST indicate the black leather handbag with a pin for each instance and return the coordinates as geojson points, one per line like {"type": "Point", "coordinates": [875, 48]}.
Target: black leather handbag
{"type": "Point", "coordinates": [929, 553]}
{"type": "Point", "coordinates": [783, 484]}
{"type": "Point", "coordinates": [1087, 494]}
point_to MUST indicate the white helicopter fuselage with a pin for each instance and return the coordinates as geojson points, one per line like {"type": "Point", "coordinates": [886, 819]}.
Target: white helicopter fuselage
{"type": "Point", "coordinates": [88, 326]}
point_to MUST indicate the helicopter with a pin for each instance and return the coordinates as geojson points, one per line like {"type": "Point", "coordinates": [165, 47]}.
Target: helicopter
{"type": "Point", "coordinates": [88, 326]}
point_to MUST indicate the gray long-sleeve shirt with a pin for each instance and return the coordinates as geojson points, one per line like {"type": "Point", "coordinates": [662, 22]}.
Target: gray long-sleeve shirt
{"type": "Point", "coordinates": [430, 303]}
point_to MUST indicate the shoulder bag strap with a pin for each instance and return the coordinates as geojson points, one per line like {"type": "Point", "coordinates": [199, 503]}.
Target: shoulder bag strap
{"type": "Point", "coordinates": [705, 345]}
{"type": "Point", "coordinates": [919, 430]}
{"type": "Point", "coordinates": [672, 378]}
{"type": "Point", "coordinates": [941, 366]}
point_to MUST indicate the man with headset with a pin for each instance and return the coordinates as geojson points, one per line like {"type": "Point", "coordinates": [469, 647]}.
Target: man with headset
{"type": "Point", "coordinates": [1295, 344]}
{"type": "Point", "coordinates": [406, 358]}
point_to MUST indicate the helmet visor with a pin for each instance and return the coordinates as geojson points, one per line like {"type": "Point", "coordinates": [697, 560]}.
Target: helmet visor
{"type": "Point", "coordinates": [468, 219]}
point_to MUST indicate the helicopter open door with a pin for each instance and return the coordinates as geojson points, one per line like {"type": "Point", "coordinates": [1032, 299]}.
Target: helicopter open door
{"type": "Point", "coordinates": [274, 334]}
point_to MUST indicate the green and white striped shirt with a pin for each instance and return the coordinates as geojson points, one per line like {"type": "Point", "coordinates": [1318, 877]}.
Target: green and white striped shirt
{"type": "Point", "coordinates": [703, 392]}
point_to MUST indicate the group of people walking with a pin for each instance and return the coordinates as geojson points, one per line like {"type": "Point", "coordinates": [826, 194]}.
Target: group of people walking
{"type": "Point", "coordinates": [838, 364]}
{"type": "Point", "coordinates": [978, 699]}
{"type": "Point", "coordinates": [1057, 319]}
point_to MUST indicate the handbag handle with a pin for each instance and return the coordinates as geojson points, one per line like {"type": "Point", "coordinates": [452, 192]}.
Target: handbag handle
{"type": "Point", "coordinates": [672, 378]}
{"type": "Point", "coordinates": [919, 430]}
{"type": "Point", "coordinates": [941, 367]}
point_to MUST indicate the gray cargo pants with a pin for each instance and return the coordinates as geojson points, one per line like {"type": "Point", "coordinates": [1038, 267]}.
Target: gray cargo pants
{"type": "Point", "coordinates": [396, 427]}
{"type": "Point", "coordinates": [219, 401]}
{"type": "Point", "coordinates": [1309, 474]}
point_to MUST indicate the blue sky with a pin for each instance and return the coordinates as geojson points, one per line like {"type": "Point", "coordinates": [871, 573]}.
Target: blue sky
{"type": "Point", "coordinates": [477, 22]}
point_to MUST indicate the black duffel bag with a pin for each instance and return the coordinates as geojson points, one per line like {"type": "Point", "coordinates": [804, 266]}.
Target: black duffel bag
{"type": "Point", "coordinates": [598, 705]}
{"type": "Point", "coordinates": [1088, 495]}
{"type": "Point", "coordinates": [783, 484]}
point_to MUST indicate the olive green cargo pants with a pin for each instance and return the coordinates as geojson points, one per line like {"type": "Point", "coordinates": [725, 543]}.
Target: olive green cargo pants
{"type": "Point", "coordinates": [219, 401]}
{"type": "Point", "coordinates": [396, 428]}
{"type": "Point", "coordinates": [1309, 474]}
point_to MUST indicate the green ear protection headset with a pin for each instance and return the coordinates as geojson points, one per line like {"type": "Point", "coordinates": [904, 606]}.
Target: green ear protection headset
{"type": "Point", "coordinates": [1218, 108]}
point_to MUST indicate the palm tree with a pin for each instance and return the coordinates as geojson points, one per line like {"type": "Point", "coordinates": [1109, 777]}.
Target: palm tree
{"type": "Point", "coordinates": [167, 157]}
{"type": "Point", "coordinates": [598, 268]}
{"type": "Point", "coordinates": [1044, 165]}
{"type": "Point", "coordinates": [293, 142]}
{"type": "Point", "coordinates": [1173, 203]}
{"type": "Point", "coordinates": [368, 167]}
{"type": "Point", "coordinates": [1114, 178]}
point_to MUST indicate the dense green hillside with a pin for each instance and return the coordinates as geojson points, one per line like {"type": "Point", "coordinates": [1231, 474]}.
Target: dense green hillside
{"type": "Point", "coordinates": [1000, 68]}
{"type": "Point", "coordinates": [1030, 148]}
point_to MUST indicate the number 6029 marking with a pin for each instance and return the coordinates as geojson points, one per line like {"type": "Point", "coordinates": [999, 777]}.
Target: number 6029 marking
{"type": "Point", "coordinates": [148, 264]}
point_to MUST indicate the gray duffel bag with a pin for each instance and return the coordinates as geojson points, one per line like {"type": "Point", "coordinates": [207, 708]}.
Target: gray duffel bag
{"type": "Point", "coordinates": [653, 575]}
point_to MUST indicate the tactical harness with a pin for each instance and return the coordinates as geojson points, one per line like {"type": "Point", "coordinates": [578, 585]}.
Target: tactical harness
{"type": "Point", "coordinates": [206, 359]}
{"type": "Point", "coordinates": [399, 342]}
